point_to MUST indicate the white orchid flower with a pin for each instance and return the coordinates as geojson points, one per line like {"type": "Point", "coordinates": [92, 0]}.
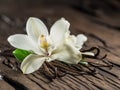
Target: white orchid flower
{"type": "Point", "coordinates": [77, 42]}
{"type": "Point", "coordinates": [58, 45]}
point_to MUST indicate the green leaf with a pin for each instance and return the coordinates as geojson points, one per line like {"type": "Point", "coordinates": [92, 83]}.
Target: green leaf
{"type": "Point", "coordinates": [21, 54]}
{"type": "Point", "coordinates": [84, 63]}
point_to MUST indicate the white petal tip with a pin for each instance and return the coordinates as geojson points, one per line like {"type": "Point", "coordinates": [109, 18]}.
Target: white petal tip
{"type": "Point", "coordinates": [23, 71]}
{"type": "Point", "coordinates": [65, 21]}
{"type": "Point", "coordinates": [62, 18]}
{"type": "Point", "coordinates": [83, 37]}
{"type": "Point", "coordinates": [89, 53]}
{"type": "Point", "coordinates": [31, 18]}
{"type": "Point", "coordinates": [26, 71]}
{"type": "Point", "coordinates": [9, 39]}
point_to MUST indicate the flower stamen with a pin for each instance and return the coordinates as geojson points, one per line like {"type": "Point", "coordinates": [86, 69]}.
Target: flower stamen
{"type": "Point", "coordinates": [44, 44]}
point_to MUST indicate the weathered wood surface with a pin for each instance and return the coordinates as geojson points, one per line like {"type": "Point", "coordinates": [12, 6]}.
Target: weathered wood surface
{"type": "Point", "coordinates": [103, 31]}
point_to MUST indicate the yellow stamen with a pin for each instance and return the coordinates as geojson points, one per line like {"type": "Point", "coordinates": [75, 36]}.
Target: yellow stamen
{"type": "Point", "coordinates": [44, 43]}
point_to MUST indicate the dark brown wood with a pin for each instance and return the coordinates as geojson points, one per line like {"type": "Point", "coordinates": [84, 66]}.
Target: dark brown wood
{"type": "Point", "coordinates": [102, 30]}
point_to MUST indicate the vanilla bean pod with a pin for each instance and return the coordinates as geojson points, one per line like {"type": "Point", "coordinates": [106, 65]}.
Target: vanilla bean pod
{"type": "Point", "coordinates": [6, 61]}
{"type": "Point", "coordinates": [14, 65]}
{"type": "Point", "coordinates": [78, 68]}
{"type": "Point", "coordinates": [54, 69]}
{"type": "Point", "coordinates": [68, 69]}
{"type": "Point", "coordinates": [92, 49]}
{"type": "Point", "coordinates": [64, 68]}
{"type": "Point", "coordinates": [57, 72]}
{"type": "Point", "coordinates": [7, 53]}
{"type": "Point", "coordinates": [45, 71]}
{"type": "Point", "coordinates": [96, 57]}
{"type": "Point", "coordinates": [96, 54]}
{"type": "Point", "coordinates": [93, 71]}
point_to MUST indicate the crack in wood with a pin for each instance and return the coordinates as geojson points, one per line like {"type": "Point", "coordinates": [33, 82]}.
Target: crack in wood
{"type": "Point", "coordinates": [15, 84]}
{"type": "Point", "coordinates": [36, 83]}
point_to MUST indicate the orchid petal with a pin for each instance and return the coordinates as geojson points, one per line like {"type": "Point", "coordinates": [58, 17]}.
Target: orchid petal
{"type": "Point", "coordinates": [58, 30]}
{"type": "Point", "coordinates": [35, 27]}
{"type": "Point", "coordinates": [71, 39]}
{"type": "Point", "coordinates": [21, 41]}
{"type": "Point", "coordinates": [68, 54]}
{"type": "Point", "coordinates": [31, 63]}
{"type": "Point", "coordinates": [88, 53]}
{"type": "Point", "coordinates": [80, 40]}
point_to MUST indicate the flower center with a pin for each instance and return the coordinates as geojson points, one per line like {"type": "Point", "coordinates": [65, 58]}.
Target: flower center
{"type": "Point", "coordinates": [44, 44]}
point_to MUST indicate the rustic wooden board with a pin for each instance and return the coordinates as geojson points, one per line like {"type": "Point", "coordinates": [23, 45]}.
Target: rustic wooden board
{"type": "Point", "coordinates": [103, 31]}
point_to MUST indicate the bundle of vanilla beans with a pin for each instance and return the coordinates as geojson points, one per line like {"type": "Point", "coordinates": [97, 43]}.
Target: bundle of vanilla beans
{"type": "Point", "coordinates": [56, 69]}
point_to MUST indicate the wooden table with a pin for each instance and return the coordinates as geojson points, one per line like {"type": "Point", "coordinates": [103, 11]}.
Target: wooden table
{"type": "Point", "coordinates": [102, 30]}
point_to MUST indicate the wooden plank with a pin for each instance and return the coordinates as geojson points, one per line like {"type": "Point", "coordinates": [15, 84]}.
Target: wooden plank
{"type": "Point", "coordinates": [99, 35]}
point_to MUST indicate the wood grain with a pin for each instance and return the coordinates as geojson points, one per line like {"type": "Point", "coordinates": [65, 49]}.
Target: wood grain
{"type": "Point", "coordinates": [103, 31]}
